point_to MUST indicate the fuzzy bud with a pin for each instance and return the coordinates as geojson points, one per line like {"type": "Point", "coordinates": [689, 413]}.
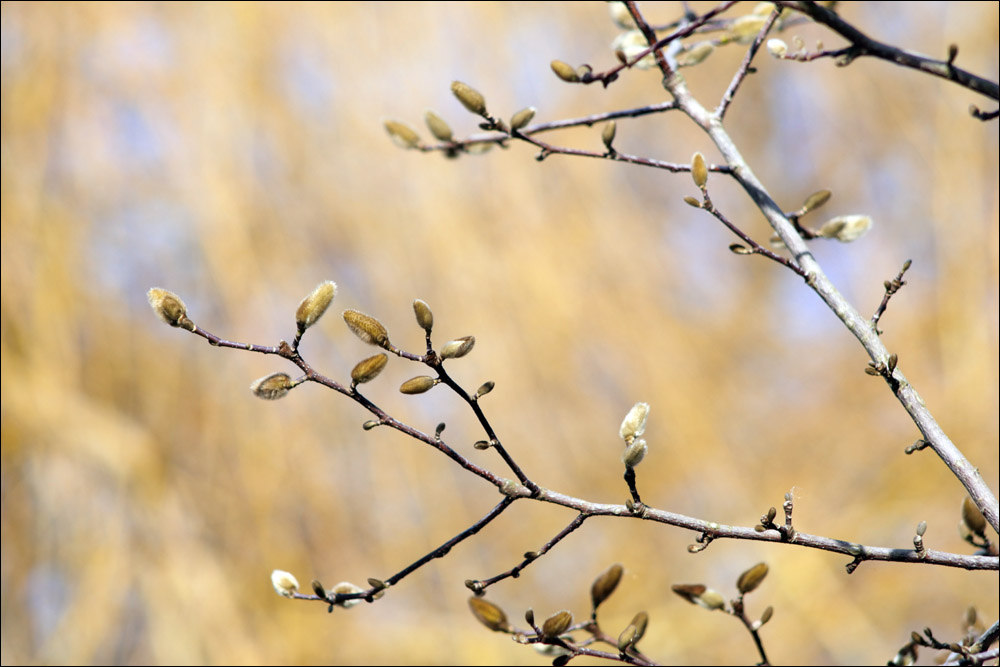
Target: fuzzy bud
{"type": "Point", "coordinates": [425, 318]}
{"type": "Point", "coordinates": [437, 126]}
{"type": "Point", "coordinates": [272, 387]}
{"type": "Point", "coordinates": [557, 624]}
{"type": "Point", "coordinates": [696, 54]}
{"type": "Point", "coordinates": [346, 588]}
{"type": "Point", "coordinates": [815, 200]}
{"type": "Point", "coordinates": [457, 348]}
{"type": "Point", "coordinates": [402, 134]}
{"type": "Point", "coordinates": [470, 98]}
{"type": "Point", "coordinates": [605, 584]}
{"type": "Point", "coordinates": [751, 578]}
{"type": "Point", "coordinates": [169, 308]}
{"type": "Point", "coordinates": [367, 328]}
{"type": "Point", "coordinates": [634, 453]}
{"type": "Point", "coordinates": [846, 228]}
{"type": "Point", "coordinates": [368, 369]}
{"type": "Point", "coordinates": [777, 47]}
{"type": "Point", "coordinates": [630, 44]}
{"type": "Point", "coordinates": [285, 583]}
{"type": "Point", "coordinates": [634, 423]}
{"type": "Point", "coordinates": [314, 305]}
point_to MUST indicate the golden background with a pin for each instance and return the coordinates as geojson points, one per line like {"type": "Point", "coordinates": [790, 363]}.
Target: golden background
{"type": "Point", "coordinates": [235, 154]}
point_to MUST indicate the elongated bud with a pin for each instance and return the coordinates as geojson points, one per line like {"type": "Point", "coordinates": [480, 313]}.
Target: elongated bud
{"type": "Point", "coordinates": [284, 583]}
{"type": "Point", "coordinates": [457, 348]}
{"type": "Point", "coordinates": [485, 388]}
{"type": "Point", "coordinates": [815, 200]}
{"type": "Point", "coordinates": [490, 615]}
{"type": "Point", "coordinates": [367, 328]}
{"type": "Point", "coordinates": [522, 118]}
{"type": "Point", "coordinates": [272, 387]}
{"type": "Point", "coordinates": [418, 385]}
{"type": "Point", "coordinates": [751, 578]}
{"type": "Point", "coordinates": [564, 71]}
{"type": "Point", "coordinates": [437, 126]}
{"type": "Point", "coordinates": [557, 624]}
{"type": "Point", "coordinates": [640, 621]}
{"type": "Point", "coordinates": [368, 369]}
{"type": "Point", "coordinates": [627, 637]}
{"type": "Point", "coordinates": [634, 423]}
{"type": "Point", "coordinates": [634, 453]}
{"type": "Point", "coordinates": [314, 305]}
{"type": "Point", "coordinates": [608, 134]}
{"type": "Point", "coordinates": [605, 584]}
{"type": "Point", "coordinates": [425, 318]}
{"type": "Point", "coordinates": [696, 54]}
{"type": "Point", "coordinates": [846, 228]}
{"type": "Point", "coordinates": [699, 170]}
{"type": "Point", "coordinates": [470, 98]}
{"type": "Point", "coordinates": [169, 308]}
{"type": "Point", "coordinates": [402, 134]}
{"type": "Point", "coordinates": [691, 201]}
{"type": "Point", "coordinates": [973, 518]}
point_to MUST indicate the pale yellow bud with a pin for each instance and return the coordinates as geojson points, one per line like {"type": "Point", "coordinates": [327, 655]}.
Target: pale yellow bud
{"type": "Point", "coordinates": [564, 71]}
{"type": "Point", "coordinates": [846, 228]}
{"type": "Point", "coordinates": [437, 126]}
{"type": "Point", "coordinates": [457, 348]}
{"type": "Point", "coordinates": [418, 385]}
{"type": "Point", "coordinates": [285, 583]}
{"type": "Point", "coordinates": [631, 44]}
{"type": "Point", "coordinates": [403, 135]}
{"type": "Point", "coordinates": [608, 134]}
{"type": "Point", "coordinates": [522, 118]}
{"type": "Point", "coordinates": [777, 47]}
{"type": "Point", "coordinates": [699, 170]}
{"type": "Point", "coordinates": [425, 318]}
{"type": "Point", "coordinates": [367, 328]}
{"type": "Point", "coordinates": [634, 423]}
{"type": "Point", "coordinates": [695, 54]}
{"type": "Point", "coordinates": [621, 15]}
{"type": "Point", "coordinates": [744, 29]}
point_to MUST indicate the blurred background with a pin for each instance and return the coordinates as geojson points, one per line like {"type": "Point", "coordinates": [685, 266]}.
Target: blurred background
{"type": "Point", "coordinates": [235, 154]}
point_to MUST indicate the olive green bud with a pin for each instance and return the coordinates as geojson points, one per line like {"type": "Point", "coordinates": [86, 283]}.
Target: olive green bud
{"type": "Point", "coordinates": [564, 71]}
{"type": "Point", "coordinates": [169, 308]}
{"type": "Point", "coordinates": [425, 318]}
{"type": "Point", "coordinates": [368, 369]}
{"type": "Point", "coordinates": [403, 135]}
{"type": "Point", "coordinates": [490, 615]}
{"type": "Point", "coordinates": [973, 518]}
{"type": "Point", "coordinates": [699, 170]}
{"type": "Point", "coordinates": [640, 621]}
{"type": "Point", "coordinates": [457, 348]}
{"type": "Point", "coordinates": [815, 200]}
{"type": "Point", "coordinates": [557, 624]}
{"type": "Point", "coordinates": [470, 98]}
{"type": "Point", "coordinates": [437, 126]}
{"type": "Point", "coordinates": [314, 305]}
{"type": "Point", "coordinates": [272, 387]}
{"type": "Point", "coordinates": [608, 134]}
{"type": "Point", "coordinates": [691, 201]}
{"type": "Point", "coordinates": [367, 328]}
{"type": "Point", "coordinates": [522, 118]}
{"type": "Point", "coordinates": [418, 385]}
{"type": "Point", "coordinates": [485, 388]}
{"type": "Point", "coordinates": [751, 578]}
{"type": "Point", "coordinates": [627, 638]}
{"type": "Point", "coordinates": [605, 584]}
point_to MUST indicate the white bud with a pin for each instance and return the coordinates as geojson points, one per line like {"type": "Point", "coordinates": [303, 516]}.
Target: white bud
{"type": "Point", "coordinates": [346, 587]}
{"type": "Point", "coordinates": [635, 422]}
{"type": "Point", "coordinates": [632, 43]}
{"type": "Point", "coordinates": [777, 48]}
{"type": "Point", "coordinates": [284, 583]}
{"type": "Point", "coordinates": [846, 228]}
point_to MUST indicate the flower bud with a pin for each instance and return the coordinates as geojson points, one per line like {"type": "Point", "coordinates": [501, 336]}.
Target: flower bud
{"type": "Point", "coordinates": [846, 228]}
{"type": "Point", "coordinates": [470, 98]}
{"type": "Point", "coordinates": [457, 348]}
{"type": "Point", "coordinates": [284, 583]}
{"type": "Point", "coordinates": [815, 200]}
{"type": "Point", "coordinates": [490, 615]}
{"type": "Point", "coordinates": [418, 385]}
{"type": "Point", "coordinates": [557, 624]}
{"type": "Point", "coordinates": [403, 135]}
{"type": "Point", "coordinates": [564, 71]}
{"type": "Point", "coordinates": [437, 126]}
{"type": "Point", "coordinates": [367, 328]}
{"type": "Point", "coordinates": [272, 387]}
{"type": "Point", "coordinates": [346, 588]}
{"type": "Point", "coordinates": [695, 54]}
{"type": "Point", "coordinates": [608, 134]}
{"type": "Point", "coordinates": [699, 170]}
{"type": "Point", "coordinates": [368, 369]}
{"type": "Point", "coordinates": [605, 584]}
{"type": "Point", "coordinates": [425, 318]}
{"type": "Point", "coordinates": [169, 308]}
{"type": "Point", "coordinates": [634, 453]}
{"type": "Point", "coordinates": [314, 305]}
{"type": "Point", "coordinates": [634, 423]}
{"type": "Point", "coordinates": [751, 578]}
{"type": "Point", "coordinates": [777, 47]}
{"type": "Point", "coordinates": [522, 118]}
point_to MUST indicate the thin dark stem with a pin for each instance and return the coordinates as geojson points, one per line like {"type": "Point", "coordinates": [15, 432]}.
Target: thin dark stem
{"type": "Point", "coordinates": [740, 613]}
{"type": "Point", "coordinates": [744, 69]}
{"type": "Point", "coordinates": [530, 557]}
{"type": "Point", "coordinates": [891, 287]}
{"type": "Point", "coordinates": [866, 46]}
